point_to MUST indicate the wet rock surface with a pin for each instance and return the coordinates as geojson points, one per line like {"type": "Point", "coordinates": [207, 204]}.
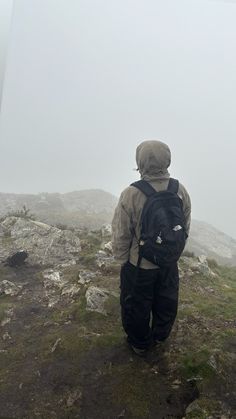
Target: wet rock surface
{"type": "Point", "coordinates": [9, 288]}
{"type": "Point", "coordinates": [86, 276]}
{"type": "Point", "coordinates": [44, 244]}
{"type": "Point", "coordinates": [197, 265]}
{"type": "Point", "coordinates": [95, 298]}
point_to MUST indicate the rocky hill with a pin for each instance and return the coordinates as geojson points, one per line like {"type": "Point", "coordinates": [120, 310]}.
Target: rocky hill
{"type": "Point", "coordinates": [206, 239]}
{"type": "Point", "coordinates": [93, 208]}
{"type": "Point", "coordinates": [88, 208]}
{"type": "Point", "coordinates": [63, 353]}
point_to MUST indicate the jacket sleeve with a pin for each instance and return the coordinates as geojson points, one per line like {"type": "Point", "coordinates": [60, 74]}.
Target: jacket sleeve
{"type": "Point", "coordinates": [186, 207]}
{"type": "Point", "coordinates": [122, 231]}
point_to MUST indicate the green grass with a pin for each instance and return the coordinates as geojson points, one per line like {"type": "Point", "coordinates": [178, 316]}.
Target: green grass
{"type": "Point", "coordinates": [134, 389]}
{"type": "Point", "coordinates": [196, 364]}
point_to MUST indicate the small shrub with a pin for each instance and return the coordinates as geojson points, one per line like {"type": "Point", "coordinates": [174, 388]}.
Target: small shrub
{"type": "Point", "coordinates": [22, 213]}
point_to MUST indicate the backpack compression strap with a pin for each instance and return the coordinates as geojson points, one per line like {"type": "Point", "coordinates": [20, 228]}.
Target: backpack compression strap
{"type": "Point", "coordinates": [148, 190]}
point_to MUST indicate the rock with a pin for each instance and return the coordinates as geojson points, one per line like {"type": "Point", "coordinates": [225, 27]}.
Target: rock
{"type": "Point", "coordinates": [106, 230]}
{"type": "Point", "coordinates": [46, 245]}
{"type": "Point", "coordinates": [203, 259]}
{"type": "Point", "coordinates": [122, 414]}
{"type": "Point", "coordinates": [54, 347]}
{"type": "Point", "coordinates": [71, 262]}
{"type": "Point", "coordinates": [86, 276]}
{"type": "Point", "coordinates": [17, 259]}
{"type": "Point", "coordinates": [9, 314]}
{"type": "Point", "coordinates": [212, 362]}
{"type": "Point", "coordinates": [73, 398]}
{"type": "Point", "coordinates": [203, 266]}
{"type": "Point", "coordinates": [195, 408]}
{"type": "Point", "coordinates": [108, 248]}
{"type": "Point", "coordinates": [53, 284]}
{"type": "Point", "coordinates": [103, 260]}
{"type": "Point", "coordinates": [2, 231]}
{"type": "Point", "coordinates": [52, 278]}
{"type": "Point", "coordinates": [200, 266]}
{"type": "Point", "coordinates": [101, 253]}
{"type": "Point", "coordinates": [70, 290]}
{"type": "Point", "coordinates": [96, 298]}
{"type": "Point", "coordinates": [56, 286]}
{"type": "Point", "coordinates": [9, 288]}
{"type": "Point", "coordinates": [6, 336]}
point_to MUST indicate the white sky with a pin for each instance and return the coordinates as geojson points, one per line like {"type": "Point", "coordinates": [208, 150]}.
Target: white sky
{"type": "Point", "coordinates": [5, 20]}
{"type": "Point", "coordinates": [88, 80]}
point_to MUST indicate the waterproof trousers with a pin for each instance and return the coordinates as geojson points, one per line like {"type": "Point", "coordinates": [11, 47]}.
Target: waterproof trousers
{"type": "Point", "coordinates": [149, 303]}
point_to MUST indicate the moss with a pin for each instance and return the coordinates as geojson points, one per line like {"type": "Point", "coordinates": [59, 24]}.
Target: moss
{"type": "Point", "coordinates": [90, 244]}
{"type": "Point", "coordinates": [223, 335]}
{"type": "Point", "coordinates": [87, 259]}
{"type": "Point", "coordinates": [196, 364]}
{"type": "Point", "coordinates": [134, 389]}
{"type": "Point", "coordinates": [217, 303]}
{"type": "Point", "coordinates": [204, 407]}
{"type": "Point", "coordinates": [222, 309]}
{"type": "Point", "coordinates": [7, 240]}
{"type": "Point", "coordinates": [5, 305]}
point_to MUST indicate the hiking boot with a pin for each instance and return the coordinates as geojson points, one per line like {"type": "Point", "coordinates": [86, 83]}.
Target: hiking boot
{"type": "Point", "coordinates": [138, 351]}
{"type": "Point", "coordinates": [158, 344]}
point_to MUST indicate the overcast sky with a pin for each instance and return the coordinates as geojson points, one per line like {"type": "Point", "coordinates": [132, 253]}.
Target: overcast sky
{"type": "Point", "coordinates": [87, 80]}
{"type": "Point", "coordinates": [5, 23]}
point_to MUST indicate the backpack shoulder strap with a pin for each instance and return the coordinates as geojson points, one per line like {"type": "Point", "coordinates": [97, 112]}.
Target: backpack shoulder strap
{"type": "Point", "coordinates": [144, 187]}
{"type": "Point", "coordinates": [173, 185]}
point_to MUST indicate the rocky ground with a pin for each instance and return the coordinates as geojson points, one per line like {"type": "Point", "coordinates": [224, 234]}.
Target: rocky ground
{"type": "Point", "coordinates": [63, 352]}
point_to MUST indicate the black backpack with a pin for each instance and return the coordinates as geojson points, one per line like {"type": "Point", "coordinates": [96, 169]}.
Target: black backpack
{"type": "Point", "coordinates": [163, 235]}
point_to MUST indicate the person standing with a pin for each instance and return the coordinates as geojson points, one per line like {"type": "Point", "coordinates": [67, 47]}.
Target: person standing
{"type": "Point", "coordinates": [149, 229]}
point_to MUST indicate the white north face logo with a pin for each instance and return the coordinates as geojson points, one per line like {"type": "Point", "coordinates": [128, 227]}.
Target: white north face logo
{"type": "Point", "coordinates": [177, 228]}
{"type": "Point", "coordinates": [159, 239]}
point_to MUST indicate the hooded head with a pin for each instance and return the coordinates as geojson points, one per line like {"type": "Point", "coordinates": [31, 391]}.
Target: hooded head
{"type": "Point", "coordinates": [153, 159]}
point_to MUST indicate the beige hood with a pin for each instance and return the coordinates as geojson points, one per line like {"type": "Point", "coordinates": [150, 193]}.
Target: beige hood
{"type": "Point", "coordinates": [153, 159]}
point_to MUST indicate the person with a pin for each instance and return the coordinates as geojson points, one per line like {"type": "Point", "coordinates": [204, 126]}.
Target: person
{"type": "Point", "coordinates": [153, 289]}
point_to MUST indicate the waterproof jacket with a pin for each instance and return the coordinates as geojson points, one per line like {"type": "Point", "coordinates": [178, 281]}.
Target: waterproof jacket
{"type": "Point", "coordinates": [153, 159]}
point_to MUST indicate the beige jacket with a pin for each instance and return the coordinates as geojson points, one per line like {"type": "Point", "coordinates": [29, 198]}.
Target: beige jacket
{"type": "Point", "coordinates": [153, 159]}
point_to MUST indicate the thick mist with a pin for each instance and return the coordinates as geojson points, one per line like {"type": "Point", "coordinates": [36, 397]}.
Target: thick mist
{"type": "Point", "coordinates": [87, 81]}
{"type": "Point", "coordinates": [5, 23]}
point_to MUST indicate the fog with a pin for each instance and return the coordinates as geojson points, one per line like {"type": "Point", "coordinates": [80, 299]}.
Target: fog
{"type": "Point", "coordinates": [5, 23]}
{"type": "Point", "coordinates": [86, 81]}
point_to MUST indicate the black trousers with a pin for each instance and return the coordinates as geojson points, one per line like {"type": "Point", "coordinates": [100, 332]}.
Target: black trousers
{"type": "Point", "coordinates": [150, 292]}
